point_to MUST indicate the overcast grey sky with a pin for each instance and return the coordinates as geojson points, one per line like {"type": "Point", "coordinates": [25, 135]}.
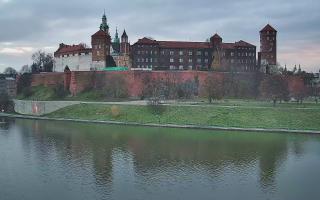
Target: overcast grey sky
{"type": "Point", "coordinates": [29, 25]}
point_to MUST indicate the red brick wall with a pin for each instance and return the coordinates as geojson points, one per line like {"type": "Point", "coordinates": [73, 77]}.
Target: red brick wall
{"type": "Point", "coordinates": [81, 81]}
{"type": "Point", "coordinates": [47, 79]}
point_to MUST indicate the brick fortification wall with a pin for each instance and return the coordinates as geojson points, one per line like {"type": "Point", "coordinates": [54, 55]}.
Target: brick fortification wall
{"type": "Point", "coordinates": [135, 80]}
{"type": "Point", "coordinates": [48, 79]}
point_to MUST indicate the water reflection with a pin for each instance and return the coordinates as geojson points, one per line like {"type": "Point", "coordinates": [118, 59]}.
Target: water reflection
{"type": "Point", "coordinates": [160, 163]}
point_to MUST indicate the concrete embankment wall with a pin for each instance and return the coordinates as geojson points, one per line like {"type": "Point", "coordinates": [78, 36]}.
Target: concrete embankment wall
{"type": "Point", "coordinates": [39, 108]}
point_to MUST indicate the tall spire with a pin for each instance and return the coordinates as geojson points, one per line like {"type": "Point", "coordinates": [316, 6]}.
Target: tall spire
{"type": "Point", "coordinates": [116, 37]}
{"type": "Point", "coordinates": [104, 25]}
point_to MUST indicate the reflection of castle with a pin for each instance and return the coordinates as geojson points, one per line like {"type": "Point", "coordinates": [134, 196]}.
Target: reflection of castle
{"type": "Point", "coordinates": [104, 52]}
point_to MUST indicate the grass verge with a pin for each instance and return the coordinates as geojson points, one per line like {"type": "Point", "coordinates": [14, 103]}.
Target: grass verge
{"type": "Point", "coordinates": [242, 117]}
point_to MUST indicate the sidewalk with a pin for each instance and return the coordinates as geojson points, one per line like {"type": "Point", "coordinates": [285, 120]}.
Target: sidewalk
{"type": "Point", "coordinates": [165, 125]}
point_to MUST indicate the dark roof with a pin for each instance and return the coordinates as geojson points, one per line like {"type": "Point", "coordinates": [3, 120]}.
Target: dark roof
{"type": "Point", "coordinates": [242, 43]}
{"type": "Point", "coordinates": [124, 34]}
{"type": "Point", "coordinates": [184, 45]}
{"type": "Point", "coordinates": [191, 45]}
{"type": "Point", "coordinates": [216, 36]}
{"type": "Point", "coordinates": [268, 27]}
{"type": "Point", "coordinates": [68, 49]}
{"type": "Point", "coordinates": [146, 40]}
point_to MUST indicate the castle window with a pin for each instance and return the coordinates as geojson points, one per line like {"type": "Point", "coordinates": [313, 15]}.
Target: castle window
{"type": "Point", "coordinates": [171, 60]}
{"type": "Point", "coordinates": [171, 53]}
{"type": "Point", "coordinates": [190, 67]}
{"type": "Point", "coordinates": [147, 60]}
{"type": "Point", "coordinates": [199, 60]}
{"type": "Point", "coordinates": [190, 60]}
{"type": "Point", "coordinates": [190, 53]}
{"type": "Point", "coordinates": [151, 60]}
{"type": "Point", "coordinates": [138, 60]}
{"type": "Point", "coordinates": [172, 67]}
{"type": "Point", "coordinates": [181, 67]}
{"type": "Point", "coordinates": [181, 53]}
{"type": "Point", "coordinates": [199, 53]}
{"type": "Point", "coordinates": [232, 54]}
{"type": "Point", "coordinates": [180, 60]}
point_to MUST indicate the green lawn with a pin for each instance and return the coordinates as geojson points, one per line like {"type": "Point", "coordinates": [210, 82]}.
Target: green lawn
{"type": "Point", "coordinates": [282, 116]}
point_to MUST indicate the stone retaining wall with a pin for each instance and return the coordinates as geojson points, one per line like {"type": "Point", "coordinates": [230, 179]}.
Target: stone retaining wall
{"type": "Point", "coordinates": [39, 108]}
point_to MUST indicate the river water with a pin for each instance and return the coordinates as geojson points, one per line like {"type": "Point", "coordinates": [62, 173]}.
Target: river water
{"type": "Point", "coordinates": [43, 160]}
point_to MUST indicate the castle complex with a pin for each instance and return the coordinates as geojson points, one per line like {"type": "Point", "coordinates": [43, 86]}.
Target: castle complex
{"type": "Point", "coordinates": [150, 54]}
{"type": "Point", "coordinates": [104, 52]}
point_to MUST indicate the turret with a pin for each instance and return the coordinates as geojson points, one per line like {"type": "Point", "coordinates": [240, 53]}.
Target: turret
{"type": "Point", "coordinates": [216, 40]}
{"type": "Point", "coordinates": [125, 45]}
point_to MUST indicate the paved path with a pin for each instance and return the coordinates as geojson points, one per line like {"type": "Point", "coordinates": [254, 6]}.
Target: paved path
{"type": "Point", "coordinates": [196, 104]}
{"type": "Point", "coordinates": [165, 125]}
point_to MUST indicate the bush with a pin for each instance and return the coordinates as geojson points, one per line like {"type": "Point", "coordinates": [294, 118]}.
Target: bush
{"type": "Point", "coordinates": [115, 111]}
{"type": "Point", "coordinates": [6, 104]}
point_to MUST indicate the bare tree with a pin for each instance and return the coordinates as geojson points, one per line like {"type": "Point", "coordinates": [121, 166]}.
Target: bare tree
{"type": "Point", "coordinates": [274, 87]}
{"type": "Point", "coordinates": [214, 87]}
{"type": "Point", "coordinates": [10, 71]}
{"type": "Point", "coordinates": [42, 62]}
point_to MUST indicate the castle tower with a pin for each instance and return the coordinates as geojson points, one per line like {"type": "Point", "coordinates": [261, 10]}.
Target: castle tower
{"type": "Point", "coordinates": [125, 45]}
{"type": "Point", "coordinates": [268, 46]}
{"type": "Point", "coordinates": [101, 42]}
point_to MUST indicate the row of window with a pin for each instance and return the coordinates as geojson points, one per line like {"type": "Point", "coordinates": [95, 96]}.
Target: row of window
{"type": "Point", "coordinates": [74, 54]}
{"type": "Point", "coordinates": [242, 61]}
{"type": "Point", "coordinates": [181, 53]}
{"type": "Point", "coordinates": [172, 60]}
{"type": "Point", "coordinates": [244, 54]}
{"type": "Point", "coordinates": [199, 60]}
{"type": "Point", "coordinates": [147, 60]}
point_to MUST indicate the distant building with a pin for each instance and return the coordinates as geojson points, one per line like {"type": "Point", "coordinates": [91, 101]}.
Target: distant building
{"type": "Point", "coordinates": [8, 86]}
{"type": "Point", "coordinates": [150, 54]}
{"type": "Point", "coordinates": [267, 57]}
{"type": "Point", "coordinates": [104, 53]}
